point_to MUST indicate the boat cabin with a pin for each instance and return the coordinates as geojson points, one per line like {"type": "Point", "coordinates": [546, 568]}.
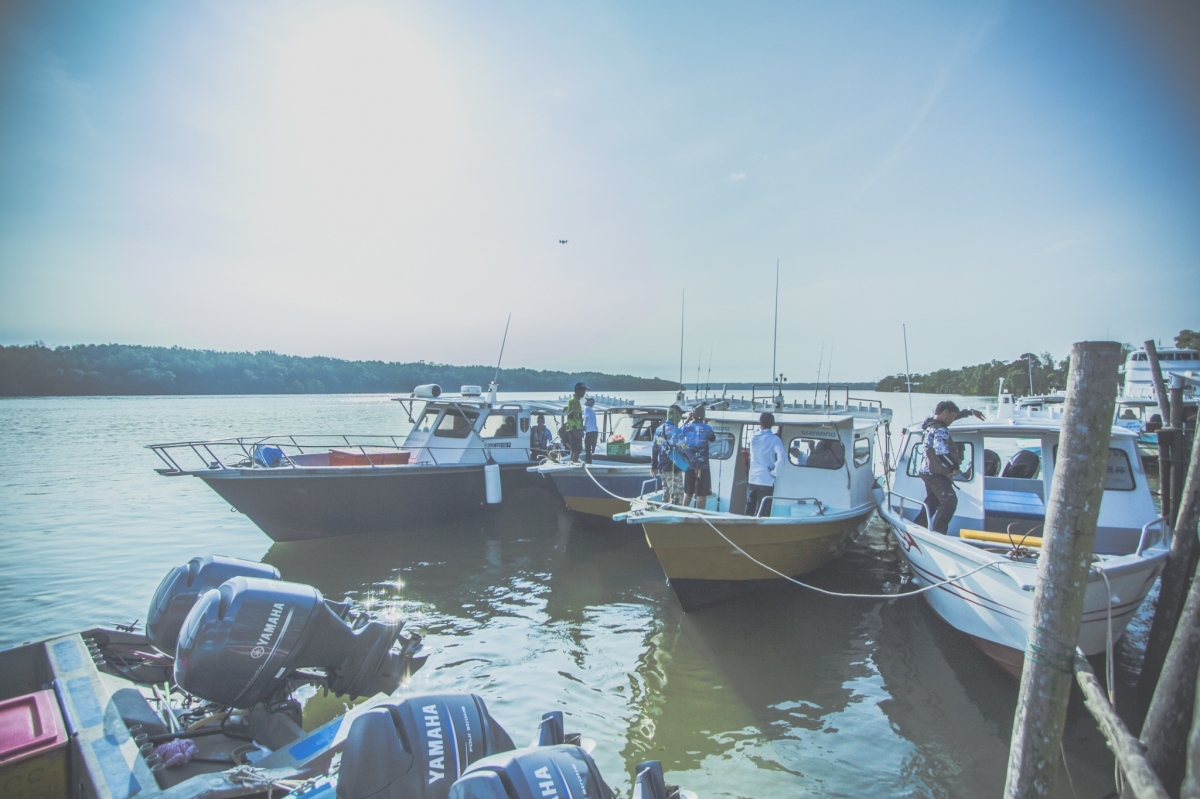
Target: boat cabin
{"type": "Point", "coordinates": [468, 430]}
{"type": "Point", "coordinates": [829, 460]}
{"type": "Point", "coordinates": [1006, 473]}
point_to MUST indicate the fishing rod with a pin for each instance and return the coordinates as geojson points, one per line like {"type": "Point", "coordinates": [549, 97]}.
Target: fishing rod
{"type": "Point", "coordinates": [907, 373]}
{"type": "Point", "coordinates": [502, 343]}
{"type": "Point", "coordinates": [775, 337]}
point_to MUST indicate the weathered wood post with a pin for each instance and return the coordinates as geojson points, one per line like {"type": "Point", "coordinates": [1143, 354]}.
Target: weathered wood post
{"type": "Point", "coordinates": [1173, 588]}
{"type": "Point", "coordinates": [1070, 534]}
{"type": "Point", "coordinates": [1160, 387]}
{"type": "Point", "coordinates": [1169, 718]}
{"type": "Point", "coordinates": [1191, 780]}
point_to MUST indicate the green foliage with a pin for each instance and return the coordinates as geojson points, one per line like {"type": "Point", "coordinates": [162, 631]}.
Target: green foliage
{"type": "Point", "coordinates": [984, 379]}
{"type": "Point", "coordinates": [1188, 339]}
{"type": "Point", "coordinates": [119, 369]}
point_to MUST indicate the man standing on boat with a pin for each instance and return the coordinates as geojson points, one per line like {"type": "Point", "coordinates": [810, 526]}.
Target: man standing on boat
{"type": "Point", "coordinates": [695, 436]}
{"type": "Point", "coordinates": [766, 455]}
{"type": "Point", "coordinates": [573, 427]}
{"type": "Point", "coordinates": [539, 439]}
{"type": "Point", "coordinates": [590, 429]}
{"type": "Point", "coordinates": [664, 457]}
{"type": "Point", "coordinates": [940, 461]}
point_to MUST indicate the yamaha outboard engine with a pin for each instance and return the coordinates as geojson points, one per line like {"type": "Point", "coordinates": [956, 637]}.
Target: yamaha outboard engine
{"type": "Point", "coordinates": [183, 585]}
{"type": "Point", "coordinates": [417, 748]}
{"type": "Point", "coordinates": [563, 771]}
{"type": "Point", "coordinates": [245, 643]}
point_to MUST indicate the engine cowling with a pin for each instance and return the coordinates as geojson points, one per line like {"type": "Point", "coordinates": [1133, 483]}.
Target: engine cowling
{"type": "Point", "coordinates": [183, 585]}
{"type": "Point", "coordinates": [246, 642]}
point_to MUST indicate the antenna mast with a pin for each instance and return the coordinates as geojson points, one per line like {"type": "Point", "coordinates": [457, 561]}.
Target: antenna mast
{"type": "Point", "coordinates": [775, 338]}
{"type": "Point", "coordinates": [682, 313]}
{"type": "Point", "coordinates": [907, 375]}
{"type": "Point", "coordinates": [502, 343]}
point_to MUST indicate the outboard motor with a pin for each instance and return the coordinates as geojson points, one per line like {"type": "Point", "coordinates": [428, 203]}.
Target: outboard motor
{"type": "Point", "coordinates": [245, 642]}
{"type": "Point", "coordinates": [1022, 465]}
{"type": "Point", "coordinates": [412, 749]}
{"type": "Point", "coordinates": [563, 772]}
{"type": "Point", "coordinates": [183, 585]}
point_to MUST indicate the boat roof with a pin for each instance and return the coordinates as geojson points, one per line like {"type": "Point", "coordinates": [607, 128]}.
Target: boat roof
{"type": "Point", "coordinates": [789, 418]}
{"type": "Point", "coordinates": [1018, 426]}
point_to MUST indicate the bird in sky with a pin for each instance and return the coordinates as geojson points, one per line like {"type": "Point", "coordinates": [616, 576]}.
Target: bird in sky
{"type": "Point", "coordinates": [562, 241]}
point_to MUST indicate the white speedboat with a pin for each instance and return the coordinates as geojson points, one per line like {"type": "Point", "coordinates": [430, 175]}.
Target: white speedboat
{"type": "Point", "coordinates": [621, 468]}
{"type": "Point", "coordinates": [993, 542]}
{"type": "Point", "coordinates": [822, 499]}
{"type": "Point", "coordinates": [298, 487]}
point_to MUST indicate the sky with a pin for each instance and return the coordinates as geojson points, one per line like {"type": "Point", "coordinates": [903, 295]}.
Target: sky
{"type": "Point", "coordinates": [391, 180]}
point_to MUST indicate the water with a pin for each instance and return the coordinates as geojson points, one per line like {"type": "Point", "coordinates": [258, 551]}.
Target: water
{"type": "Point", "coordinates": [783, 694]}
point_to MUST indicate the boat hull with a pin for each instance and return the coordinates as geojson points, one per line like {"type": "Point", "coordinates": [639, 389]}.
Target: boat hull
{"type": "Point", "coordinates": [994, 606]}
{"type": "Point", "coordinates": [582, 494]}
{"type": "Point", "coordinates": [703, 569]}
{"type": "Point", "coordinates": [302, 504]}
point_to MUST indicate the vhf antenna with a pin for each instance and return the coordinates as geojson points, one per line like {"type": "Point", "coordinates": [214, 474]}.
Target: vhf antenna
{"type": "Point", "coordinates": [502, 343]}
{"type": "Point", "coordinates": [775, 339]}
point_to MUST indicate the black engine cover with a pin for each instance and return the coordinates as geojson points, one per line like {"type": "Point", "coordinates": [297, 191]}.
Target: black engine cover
{"type": "Point", "coordinates": [417, 748]}
{"type": "Point", "coordinates": [545, 772]}
{"type": "Point", "coordinates": [183, 585]}
{"type": "Point", "coordinates": [243, 642]}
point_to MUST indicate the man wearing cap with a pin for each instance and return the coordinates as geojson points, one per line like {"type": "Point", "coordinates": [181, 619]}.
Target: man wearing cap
{"type": "Point", "coordinates": [940, 461]}
{"type": "Point", "coordinates": [766, 456]}
{"type": "Point", "coordinates": [695, 436]}
{"type": "Point", "coordinates": [665, 460]}
{"type": "Point", "coordinates": [539, 439]}
{"type": "Point", "coordinates": [573, 427]}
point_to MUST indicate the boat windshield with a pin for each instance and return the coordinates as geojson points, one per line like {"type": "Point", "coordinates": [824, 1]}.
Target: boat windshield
{"type": "Point", "coordinates": [457, 423]}
{"type": "Point", "coordinates": [425, 423]}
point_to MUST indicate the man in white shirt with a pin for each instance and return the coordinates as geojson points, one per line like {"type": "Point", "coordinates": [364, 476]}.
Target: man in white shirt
{"type": "Point", "coordinates": [766, 456]}
{"type": "Point", "coordinates": [590, 430]}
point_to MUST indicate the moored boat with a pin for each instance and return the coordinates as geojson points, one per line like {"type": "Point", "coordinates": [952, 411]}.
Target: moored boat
{"type": "Point", "coordinates": [821, 501]}
{"type": "Point", "coordinates": [993, 542]}
{"type": "Point", "coordinates": [463, 453]}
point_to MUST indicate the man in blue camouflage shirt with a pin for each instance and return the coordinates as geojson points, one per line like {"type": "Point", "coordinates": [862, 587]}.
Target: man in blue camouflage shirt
{"type": "Point", "coordinates": [940, 461]}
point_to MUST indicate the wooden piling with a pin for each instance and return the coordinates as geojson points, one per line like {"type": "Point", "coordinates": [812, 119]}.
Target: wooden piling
{"type": "Point", "coordinates": [1191, 780]}
{"type": "Point", "coordinates": [1173, 588]}
{"type": "Point", "coordinates": [1160, 387]}
{"type": "Point", "coordinates": [1169, 718]}
{"type": "Point", "coordinates": [1140, 778]}
{"type": "Point", "coordinates": [1070, 534]}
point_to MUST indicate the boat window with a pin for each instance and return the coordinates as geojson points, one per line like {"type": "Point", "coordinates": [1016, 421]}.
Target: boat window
{"type": "Point", "coordinates": [817, 453]}
{"type": "Point", "coordinates": [1140, 356]}
{"type": "Point", "coordinates": [1118, 475]}
{"type": "Point", "coordinates": [457, 423]}
{"type": "Point", "coordinates": [644, 429]}
{"type": "Point", "coordinates": [425, 423]}
{"type": "Point", "coordinates": [862, 451]}
{"type": "Point", "coordinates": [967, 450]}
{"type": "Point", "coordinates": [722, 448]}
{"type": "Point", "coordinates": [500, 425]}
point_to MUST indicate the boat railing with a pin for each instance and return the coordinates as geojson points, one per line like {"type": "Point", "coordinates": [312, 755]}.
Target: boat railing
{"type": "Point", "coordinates": [240, 452]}
{"type": "Point", "coordinates": [1163, 533]}
{"type": "Point", "coordinates": [763, 395]}
{"type": "Point", "coordinates": [649, 483]}
{"type": "Point", "coordinates": [891, 493]}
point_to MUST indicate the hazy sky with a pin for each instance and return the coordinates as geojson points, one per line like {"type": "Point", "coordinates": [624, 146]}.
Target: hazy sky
{"type": "Point", "coordinates": [390, 180]}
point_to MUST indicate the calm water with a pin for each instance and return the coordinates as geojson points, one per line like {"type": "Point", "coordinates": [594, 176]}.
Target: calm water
{"type": "Point", "coordinates": [784, 694]}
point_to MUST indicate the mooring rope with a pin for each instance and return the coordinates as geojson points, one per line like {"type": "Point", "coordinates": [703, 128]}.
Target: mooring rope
{"type": "Point", "coordinates": [789, 578]}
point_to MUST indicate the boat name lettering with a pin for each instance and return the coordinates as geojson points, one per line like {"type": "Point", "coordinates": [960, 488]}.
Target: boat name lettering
{"type": "Point", "coordinates": [433, 734]}
{"type": "Point", "coordinates": [545, 781]}
{"type": "Point", "coordinates": [816, 432]}
{"type": "Point", "coordinates": [268, 629]}
{"type": "Point", "coordinates": [504, 445]}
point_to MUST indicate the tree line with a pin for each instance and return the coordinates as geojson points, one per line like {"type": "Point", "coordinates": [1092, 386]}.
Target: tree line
{"type": "Point", "coordinates": [121, 369]}
{"type": "Point", "coordinates": [1028, 374]}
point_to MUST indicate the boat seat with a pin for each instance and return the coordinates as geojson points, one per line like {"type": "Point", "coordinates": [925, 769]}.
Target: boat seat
{"type": "Point", "coordinates": [1013, 504]}
{"type": "Point", "coordinates": [999, 538]}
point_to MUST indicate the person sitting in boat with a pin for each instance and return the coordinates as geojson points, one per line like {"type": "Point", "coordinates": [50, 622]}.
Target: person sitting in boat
{"type": "Point", "coordinates": [766, 456]}
{"type": "Point", "coordinates": [508, 428]}
{"type": "Point", "coordinates": [827, 455]}
{"type": "Point", "coordinates": [1155, 424]}
{"type": "Point", "coordinates": [539, 439]}
{"type": "Point", "coordinates": [590, 429]}
{"type": "Point", "coordinates": [695, 436]}
{"type": "Point", "coordinates": [940, 462]}
{"type": "Point", "coordinates": [572, 429]}
{"type": "Point", "coordinates": [666, 460]}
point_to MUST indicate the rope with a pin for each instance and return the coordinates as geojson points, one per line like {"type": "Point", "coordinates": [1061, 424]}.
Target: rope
{"type": "Point", "coordinates": [1110, 672]}
{"type": "Point", "coordinates": [788, 577]}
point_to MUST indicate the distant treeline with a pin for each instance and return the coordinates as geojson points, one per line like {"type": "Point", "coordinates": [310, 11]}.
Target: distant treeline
{"type": "Point", "coordinates": [984, 379]}
{"type": "Point", "coordinates": [117, 369]}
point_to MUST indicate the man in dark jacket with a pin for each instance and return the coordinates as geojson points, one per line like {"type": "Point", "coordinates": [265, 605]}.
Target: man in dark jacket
{"type": "Point", "coordinates": [940, 462]}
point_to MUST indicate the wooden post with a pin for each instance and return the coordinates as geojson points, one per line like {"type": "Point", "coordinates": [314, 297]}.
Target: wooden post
{"type": "Point", "coordinates": [1172, 591]}
{"type": "Point", "coordinates": [1176, 394]}
{"type": "Point", "coordinates": [1160, 388]}
{"type": "Point", "coordinates": [1169, 718]}
{"type": "Point", "coordinates": [1070, 534]}
{"type": "Point", "coordinates": [1191, 780]}
{"type": "Point", "coordinates": [1166, 438]}
{"type": "Point", "coordinates": [1139, 777]}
